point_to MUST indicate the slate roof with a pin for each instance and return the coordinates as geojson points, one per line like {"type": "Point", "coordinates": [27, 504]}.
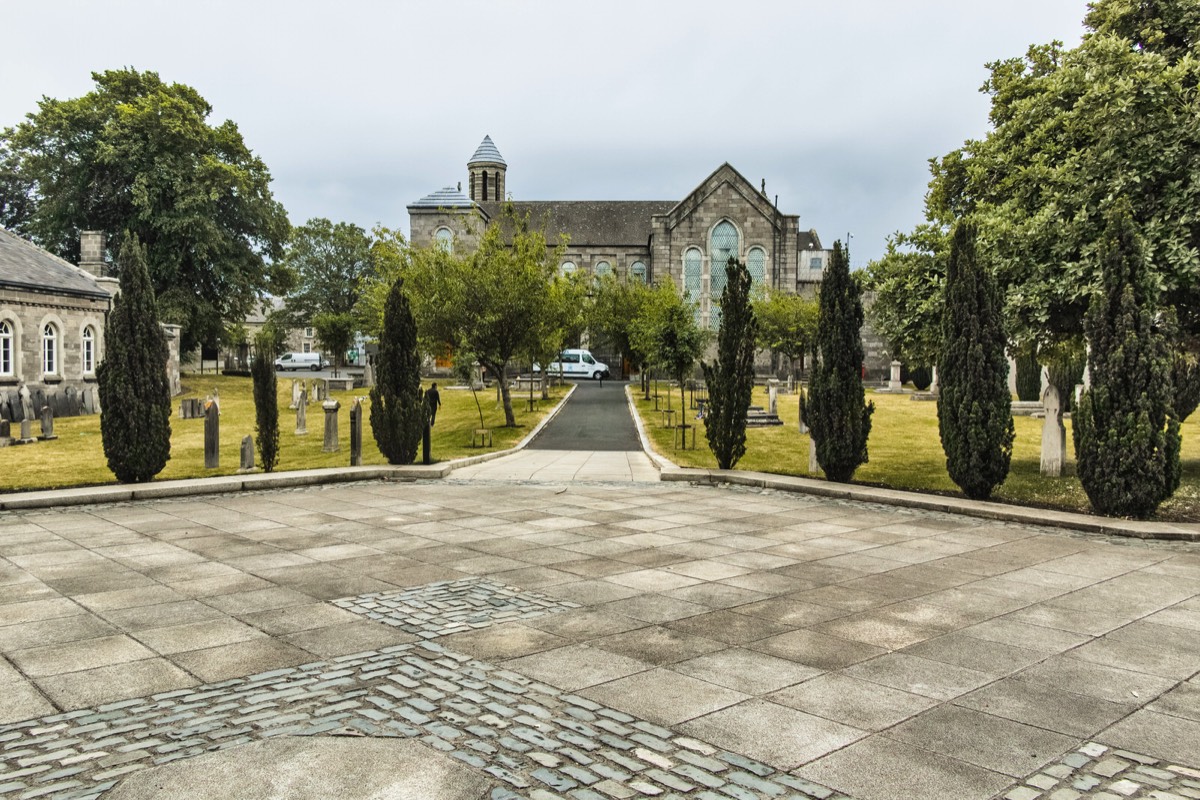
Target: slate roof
{"type": "Point", "coordinates": [590, 223]}
{"type": "Point", "coordinates": [23, 265]}
{"type": "Point", "coordinates": [487, 153]}
{"type": "Point", "coordinates": [448, 197]}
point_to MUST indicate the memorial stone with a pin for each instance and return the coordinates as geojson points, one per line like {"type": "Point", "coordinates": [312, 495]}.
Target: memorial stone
{"type": "Point", "coordinates": [772, 396]}
{"type": "Point", "coordinates": [5, 432]}
{"type": "Point", "coordinates": [1054, 434]}
{"type": "Point", "coordinates": [814, 466]}
{"type": "Point", "coordinates": [332, 445]}
{"type": "Point", "coordinates": [295, 394]}
{"type": "Point", "coordinates": [356, 432]}
{"type": "Point", "coordinates": [894, 384]}
{"type": "Point", "coordinates": [302, 414]}
{"type": "Point", "coordinates": [369, 376]}
{"type": "Point", "coordinates": [26, 432]}
{"type": "Point", "coordinates": [47, 424]}
{"type": "Point", "coordinates": [247, 454]}
{"type": "Point", "coordinates": [212, 435]}
{"type": "Point", "coordinates": [26, 402]}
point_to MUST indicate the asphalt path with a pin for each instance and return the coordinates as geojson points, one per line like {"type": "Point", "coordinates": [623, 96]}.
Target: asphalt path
{"type": "Point", "coordinates": [595, 418]}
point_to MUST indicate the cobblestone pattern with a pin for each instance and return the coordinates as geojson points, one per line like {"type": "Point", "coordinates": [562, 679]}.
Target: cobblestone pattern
{"type": "Point", "coordinates": [1101, 773]}
{"type": "Point", "coordinates": [446, 607]}
{"type": "Point", "coordinates": [536, 742]}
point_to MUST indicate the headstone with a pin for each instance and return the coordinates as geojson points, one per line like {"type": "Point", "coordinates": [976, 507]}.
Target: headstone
{"type": "Point", "coordinates": [302, 414]}
{"type": "Point", "coordinates": [933, 386]}
{"type": "Point", "coordinates": [26, 402]}
{"type": "Point", "coordinates": [318, 392]}
{"type": "Point", "coordinates": [369, 375]}
{"type": "Point", "coordinates": [1054, 434]}
{"type": "Point", "coordinates": [476, 376]}
{"type": "Point", "coordinates": [212, 435]}
{"type": "Point", "coordinates": [47, 424]}
{"type": "Point", "coordinates": [332, 445]}
{"type": "Point", "coordinates": [356, 432]}
{"type": "Point", "coordinates": [247, 454]}
{"type": "Point", "coordinates": [26, 432]}
{"type": "Point", "coordinates": [5, 432]}
{"type": "Point", "coordinates": [216, 398]}
{"type": "Point", "coordinates": [772, 396]}
{"type": "Point", "coordinates": [790, 384]}
{"type": "Point", "coordinates": [295, 394]}
{"type": "Point", "coordinates": [894, 384]}
{"type": "Point", "coordinates": [814, 466]}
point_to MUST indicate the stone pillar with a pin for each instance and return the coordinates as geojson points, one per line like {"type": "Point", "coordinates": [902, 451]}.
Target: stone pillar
{"type": "Point", "coordinates": [332, 445]}
{"type": "Point", "coordinates": [295, 394]}
{"type": "Point", "coordinates": [894, 384]}
{"type": "Point", "coordinates": [212, 435]}
{"type": "Point", "coordinates": [247, 454]}
{"type": "Point", "coordinates": [933, 388]}
{"type": "Point", "coordinates": [302, 414]}
{"type": "Point", "coordinates": [356, 432]}
{"type": "Point", "coordinates": [47, 424]}
{"type": "Point", "coordinates": [476, 376]}
{"type": "Point", "coordinates": [1054, 434]}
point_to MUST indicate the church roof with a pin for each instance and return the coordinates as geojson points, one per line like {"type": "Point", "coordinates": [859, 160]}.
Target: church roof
{"type": "Point", "coordinates": [448, 197]}
{"type": "Point", "coordinates": [487, 153]}
{"type": "Point", "coordinates": [590, 223]}
{"type": "Point", "coordinates": [24, 265]}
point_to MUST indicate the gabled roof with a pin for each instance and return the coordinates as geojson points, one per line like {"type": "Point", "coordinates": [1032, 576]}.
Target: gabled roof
{"type": "Point", "coordinates": [24, 265]}
{"type": "Point", "coordinates": [590, 223]}
{"type": "Point", "coordinates": [487, 153]}
{"type": "Point", "coordinates": [448, 197]}
{"type": "Point", "coordinates": [724, 174]}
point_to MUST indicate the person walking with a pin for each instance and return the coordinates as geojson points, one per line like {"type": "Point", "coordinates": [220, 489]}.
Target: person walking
{"type": "Point", "coordinates": [434, 401]}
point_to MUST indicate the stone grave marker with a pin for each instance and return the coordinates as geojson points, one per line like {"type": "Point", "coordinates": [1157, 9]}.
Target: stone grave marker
{"type": "Point", "coordinates": [1054, 434]}
{"type": "Point", "coordinates": [814, 466]}
{"type": "Point", "coordinates": [5, 432]}
{"type": "Point", "coordinates": [26, 432]}
{"type": "Point", "coordinates": [356, 432]}
{"type": "Point", "coordinates": [894, 384]}
{"type": "Point", "coordinates": [773, 396]}
{"type": "Point", "coordinates": [369, 375]}
{"type": "Point", "coordinates": [332, 445]}
{"type": "Point", "coordinates": [302, 414]}
{"type": "Point", "coordinates": [212, 435]}
{"type": "Point", "coordinates": [247, 454]}
{"type": "Point", "coordinates": [295, 394]}
{"type": "Point", "coordinates": [47, 424]}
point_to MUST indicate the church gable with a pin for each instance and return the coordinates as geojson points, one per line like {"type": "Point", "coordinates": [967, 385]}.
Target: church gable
{"type": "Point", "coordinates": [724, 187]}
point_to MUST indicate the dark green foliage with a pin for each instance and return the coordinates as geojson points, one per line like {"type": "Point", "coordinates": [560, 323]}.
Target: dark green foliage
{"type": "Point", "coordinates": [1064, 370]}
{"type": "Point", "coordinates": [1126, 433]}
{"type": "Point", "coordinates": [731, 379]}
{"type": "Point", "coordinates": [974, 406]}
{"type": "Point", "coordinates": [837, 417]}
{"type": "Point", "coordinates": [398, 413]}
{"type": "Point", "coordinates": [920, 377]}
{"type": "Point", "coordinates": [135, 395]}
{"type": "Point", "coordinates": [266, 402]}
{"type": "Point", "coordinates": [1185, 377]}
{"type": "Point", "coordinates": [1029, 377]}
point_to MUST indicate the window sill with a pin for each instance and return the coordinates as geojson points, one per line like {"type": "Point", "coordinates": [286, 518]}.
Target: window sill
{"type": "Point", "coordinates": [52, 379]}
{"type": "Point", "coordinates": [9, 380]}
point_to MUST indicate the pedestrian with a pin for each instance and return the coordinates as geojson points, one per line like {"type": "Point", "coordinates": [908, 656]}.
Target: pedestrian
{"type": "Point", "coordinates": [434, 401]}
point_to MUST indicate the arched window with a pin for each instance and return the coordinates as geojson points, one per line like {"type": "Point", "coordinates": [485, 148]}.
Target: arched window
{"type": "Point", "coordinates": [602, 268]}
{"type": "Point", "coordinates": [567, 267]}
{"type": "Point", "coordinates": [50, 349]}
{"type": "Point", "coordinates": [723, 247]}
{"type": "Point", "coordinates": [637, 271]}
{"type": "Point", "coordinates": [693, 278]}
{"type": "Point", "coordinates": [444, 238]}
{"type": "Point", "coordinates": [756, 264]}
{"type": "Point", "coordinates": [89, 350]}
{"type": "Point", "coordinates": [6, 348]}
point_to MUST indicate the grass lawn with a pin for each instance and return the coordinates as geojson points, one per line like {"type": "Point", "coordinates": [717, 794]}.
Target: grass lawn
{"type": "Point", "coordinates": [76, 458]}
{"type": "Point", "coordinates": [906, 453]}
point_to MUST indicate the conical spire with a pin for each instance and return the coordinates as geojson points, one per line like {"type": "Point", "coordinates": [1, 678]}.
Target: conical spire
{"type": "Point", "coordinates": [487, 153]}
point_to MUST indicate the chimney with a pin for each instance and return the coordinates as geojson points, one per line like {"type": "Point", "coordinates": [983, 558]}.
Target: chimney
{"type": "Point", "coordinates": [91, 252]}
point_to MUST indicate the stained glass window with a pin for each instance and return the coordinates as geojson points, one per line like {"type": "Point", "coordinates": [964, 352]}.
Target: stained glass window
{"type": "Point", "coordinates": [693, 278]}
{"type": "Point", "coordinates": [756, 263]}
{"type": "Point", "coordinates": [724, 247]}
{"type": "Point", "coordinates": [637, 271]}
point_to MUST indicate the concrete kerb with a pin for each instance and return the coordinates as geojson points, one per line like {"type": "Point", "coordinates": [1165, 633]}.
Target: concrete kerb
{"type": "Point", "coordinates": [660, 463]}
{"type": "Point", "coordinates": [124, 493]}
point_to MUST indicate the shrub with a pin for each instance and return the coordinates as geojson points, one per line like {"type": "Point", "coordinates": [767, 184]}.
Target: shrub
{"type": "Point", "coordinates": [266, 402]}
{"type": "Point", "coordinates": [1029, 376]}
{"type": "Point", "coordinates": [731, 379]}
{"type": "Point", "coordinates": [398, 413]}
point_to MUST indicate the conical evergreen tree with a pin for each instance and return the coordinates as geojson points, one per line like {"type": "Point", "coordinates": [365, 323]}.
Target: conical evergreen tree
{"type": "Point", "coordinates": [1029, 376]}
{"type": "Point", "coordinates": [974, 404]}
{"type": "Point", "coordinates": [398, 413]}
{"type": "Point", "coordinates": [135, 395]}
{"type": "Point", "coordinates": [731, 379]}
{"type": "Point", "coordinates": [266, 402]}
{"type": "Point", "coordinates": [1125, 428]}
{"type": "Point", "coordinates": [837, 417]}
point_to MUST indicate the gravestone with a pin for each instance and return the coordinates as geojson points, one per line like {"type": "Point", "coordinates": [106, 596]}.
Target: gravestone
{"type": "Point", "coordinates": [772, 396]}
{"type": "Point", "coordinates": [1054, 434]}
{"type": "Point", "coordinates": [26, 402]}
{"type": "Point", "coordinates": [814, 466]}
{"type": "Point", "coordinates": [216, 398]}
{"type": "Point", "coordinates": [933, 383]}
{"type": "Point", "coordinates": [332, 445]}
{"type": "Point", "coordinates": [5, 432]}
{"type": "Point", "coordinates": [295, 394]}
{"type": "Point", "coordinates": [369, 376]}
{"type": "Point", "coordinates": [894, 384]}
{"type": "Point", "coordinates": [247, 454]}
{"type": "Point", "coordinates": [212, 435]}
{"type": "Point", "coordinates": [790, 384]}
{"type": "Point", "coordinates": [47, 424]}
{"type": "Point", "coordinates": [26, 432]}
{"type": "Point", "coordinates": [302, 414]}
{"type": "Point", "coordinates": [356, 432]}
{"type": "Point", "coordinates": [476, 376]}
{"type": "Point", "coordinates": [318, 392]}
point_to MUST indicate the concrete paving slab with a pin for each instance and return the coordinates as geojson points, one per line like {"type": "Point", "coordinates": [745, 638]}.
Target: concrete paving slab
{"type": "Point", "coordinates": [1047, 707]}
{"type": "Point", "coordinates": [576, 667]}
{"type": "Point", "coordinates": [1166, 736]}
{"type": "Point", "coordinates": [745, 671]}
{"type": "Point", "coordinates": [777, 735]}
{"type": "Point", "coordinates": [112, 683]}
{"type": "Point", "coordinates": [21, 701]}
{"type": "Point", "coordinates": [850, 701]}
{"type": "Point", "coordinates": [662, 696]}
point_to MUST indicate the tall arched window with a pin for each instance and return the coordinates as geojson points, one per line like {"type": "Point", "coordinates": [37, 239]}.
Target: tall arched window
{"type": "Point", "coordinates": [50, 349]}
{"type": "Point", "coordinates": [602, 268]}
{"type": "Point", "coordinates": [89, 350]}
{"type": "Point", "coordinates": [444, 238]}
{"type": "Point", "coordinates": [567, 267]}
{"type": "Point", "coordinates": [6, 348]}
{"type": "Point", "coordinates": [693, 277]}
{"type": "Point", "coordinates": [756, 264]}
{"type": "Point", "coordinates": [637, 271]}
{"type": "Point", "coordinates": [723, 247]}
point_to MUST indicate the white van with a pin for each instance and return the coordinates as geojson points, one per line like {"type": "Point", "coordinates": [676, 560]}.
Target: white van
{"type": "Point", "coordinates": [577, 364]}
{"type": "Point", "coordinates": [312, 361]}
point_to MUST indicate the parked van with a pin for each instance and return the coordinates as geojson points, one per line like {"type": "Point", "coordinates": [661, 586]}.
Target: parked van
{"type": "Point", "coordinates": [577, 364]}
{"type": "Point", "coordinates": [312, 361]}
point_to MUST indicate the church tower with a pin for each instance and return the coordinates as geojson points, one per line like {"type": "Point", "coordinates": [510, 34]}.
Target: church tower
{"type": "Point", "coordinates": [487, 168]}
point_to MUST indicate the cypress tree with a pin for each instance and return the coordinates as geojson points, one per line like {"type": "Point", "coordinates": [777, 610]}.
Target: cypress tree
{"type": "Point", "coordinates": [731, 379]}
{"type": "Point", "coordinates": [974, 404]}
{"type": "Point", "coordinates": [1126, 431]}
{"type": "Point", "coordinates": [135, 395]}
{"type": "Point", "coordinates": [266, 401]}
{"type": "Point", "coordinates": [398, 413]}
{"type": "Point", "coordinates": [1029, 376]}
{"type": "Point", "coordinates": [837, 417]}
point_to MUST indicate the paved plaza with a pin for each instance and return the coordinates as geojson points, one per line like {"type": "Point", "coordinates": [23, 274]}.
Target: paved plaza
{"type": "Point", "coordinates": [588, 640]}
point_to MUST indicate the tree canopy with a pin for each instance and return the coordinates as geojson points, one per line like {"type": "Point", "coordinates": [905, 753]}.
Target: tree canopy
{"type": "Point", "coordinates": [786, 323]}
{"type": "Point", "coordinates": [137, 154]}
{"type": "Point", "coordinates": [330, 264]}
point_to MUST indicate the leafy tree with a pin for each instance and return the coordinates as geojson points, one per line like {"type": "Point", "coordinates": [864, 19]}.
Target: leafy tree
{"type": "Point", "coordinates": [907, 283]}
{"type": "Point", "coordinates": [266, 401]}
{"type": "Point", "coordinates": [786, 323]}
{"type": "Point", "coordinates": [837, 417]}
{"type": "Point", "coordinates": [667, 331]}
{"type": "Point", "coordinates": [335, 331]}
{"type": "Point", "coordinates": [389, 257]}
{"type": "Point", "coordinates": [1126, 432]}
{"type": "Point", "coordinates": [398, 412]}
{"type": "Point", "coordinates": [1065, 362]}
{"type": "Point", "coordinates": [138, 155]}
{"type": "Point", "coordinates": [135, 395]}
{"type": "Point", "coordinates": [1185, 378]}
{"type": "Point", "coordinates": [560, 322]}
{"type": "Point", "coordinates": [731, 379]}
{"type": "Point", "coordinates": [974, 405]}
{"type": "Point", "coordinates": [613, 311]}
{"type": "Point", "coordinates": [330, 264]}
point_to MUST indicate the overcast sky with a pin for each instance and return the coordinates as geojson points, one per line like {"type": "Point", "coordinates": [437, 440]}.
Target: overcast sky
{"type": "Point", "coordinates": [359, 108]}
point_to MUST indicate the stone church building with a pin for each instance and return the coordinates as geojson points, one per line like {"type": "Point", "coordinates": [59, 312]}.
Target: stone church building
{"type": "Point", "coordinates": [688, 240]}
